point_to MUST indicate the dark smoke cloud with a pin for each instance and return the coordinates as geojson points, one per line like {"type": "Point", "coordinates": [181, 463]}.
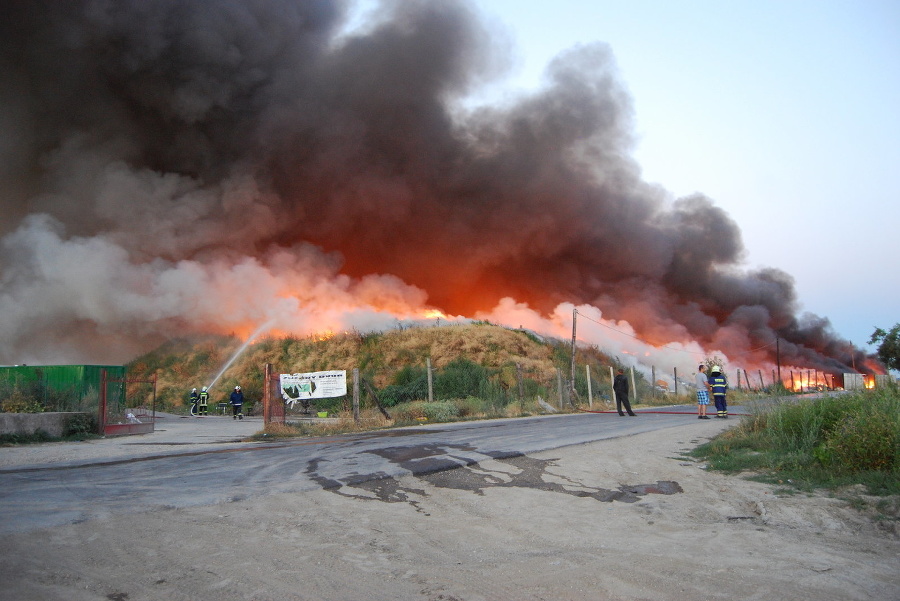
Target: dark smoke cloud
{"type": "Point", "coordinates": [170, 166]}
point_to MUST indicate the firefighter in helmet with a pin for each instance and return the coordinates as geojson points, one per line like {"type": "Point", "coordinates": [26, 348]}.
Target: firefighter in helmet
{"type": "Point", "coordinates": [719, 386]}
{"type": "Point", "coordinates": [195, 398]}
{"type": "Point", "coordinates": [203, 404]}
{"type": "Point", "coordinates": [237, 403]}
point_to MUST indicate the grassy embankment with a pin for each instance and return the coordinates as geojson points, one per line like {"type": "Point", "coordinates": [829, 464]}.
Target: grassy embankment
{"type": "Point", "coordinates": [479, 369]}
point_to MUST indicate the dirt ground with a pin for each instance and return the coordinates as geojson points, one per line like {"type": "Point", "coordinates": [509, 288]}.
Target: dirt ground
{"type": "Point", "coordinates": [476, 534]}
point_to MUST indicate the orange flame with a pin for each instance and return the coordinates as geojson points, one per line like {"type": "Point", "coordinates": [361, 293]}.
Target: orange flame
{"type": "Point", "coordinates": [323, 336]}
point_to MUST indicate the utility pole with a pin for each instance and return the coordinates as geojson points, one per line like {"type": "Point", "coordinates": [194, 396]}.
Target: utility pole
{"type": "Point", "coordinates": [574, 317]}
{"type": "Point", "coordinates": [778, 358]}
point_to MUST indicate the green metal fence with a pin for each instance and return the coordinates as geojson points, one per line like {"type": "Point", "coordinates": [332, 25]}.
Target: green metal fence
{"type": "Point", "coordinates": [57, 387]}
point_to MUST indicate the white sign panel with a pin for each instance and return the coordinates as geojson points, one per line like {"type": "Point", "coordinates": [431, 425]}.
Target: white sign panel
{"type": "Point", "coordinates": [314, 385]}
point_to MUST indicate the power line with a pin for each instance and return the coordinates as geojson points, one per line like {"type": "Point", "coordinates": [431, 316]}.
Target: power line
{"type": "Point", "coordinates": [666, 347]}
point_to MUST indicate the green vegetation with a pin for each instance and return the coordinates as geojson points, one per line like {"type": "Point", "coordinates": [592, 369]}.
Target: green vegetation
{"type": "Point", "coordinates": [40, 437]}
{"type": "Point", "coordinates": [830, 442]}
{"type": "Point", "coordinates": [79, 426]}
{"type": "Point", "coordinates": [35, 396]}
{"type": "Point", "coordinates": [889, 346]}
{"type": "Point", "coordinates": [16, 399]}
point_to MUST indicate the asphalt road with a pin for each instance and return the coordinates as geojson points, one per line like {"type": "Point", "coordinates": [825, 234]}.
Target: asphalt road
{"type": "Point", "coordinates": [43, 496]}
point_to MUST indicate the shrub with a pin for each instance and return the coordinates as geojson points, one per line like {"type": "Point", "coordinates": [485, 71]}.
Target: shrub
{"type": "Point", "coordinates": [862, 441]}
{"type": "Point", "coordinates": [438, 411]}
{"type": "Point", "coordinates": [461, 378]}
{"type": "Point", "coordinates": [38, 437]}
{"type": "Point", "coordinates": [471, 407]}
{"type": "Point", "coordinates": [20, 402]}
{"type": "Point", "coordinates": [409, 384]}
{"type": "Point", "coordinates": [80, 424]}
{"type": "Point", "coordinates": [801, 427]}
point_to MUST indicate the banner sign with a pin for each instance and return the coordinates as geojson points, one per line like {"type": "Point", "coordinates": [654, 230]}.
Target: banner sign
{"type": "Point", "coordinates": [314, 385]}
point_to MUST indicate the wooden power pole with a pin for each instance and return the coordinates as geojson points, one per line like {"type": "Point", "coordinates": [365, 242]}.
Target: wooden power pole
{"type": "Point", "coordinates": [574, 317]}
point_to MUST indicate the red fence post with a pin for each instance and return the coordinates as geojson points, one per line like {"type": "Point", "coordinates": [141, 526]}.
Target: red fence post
{"type": "Point", "coordinates": [267, 395]}
{"type": "Point", "coordinates": [101, 409]}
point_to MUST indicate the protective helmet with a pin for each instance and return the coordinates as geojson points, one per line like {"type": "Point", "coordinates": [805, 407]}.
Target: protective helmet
{"type": "Point", "coordinates": [237, 387]}
{"type": "Point", "coordinates": [193, 390]}
{"type": "Point", "coordinates": [717, 368]}
{"type": "Point", "coordinates": [204, 389]}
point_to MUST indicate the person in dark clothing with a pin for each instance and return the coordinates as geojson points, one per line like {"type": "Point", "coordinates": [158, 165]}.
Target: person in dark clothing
{"type": "Point", "coordinates": [620, 387]}
{"type": "Point", "coordinates": [195, 399]}
{"type": "Point", "coordinates": [719, 386]}
{"type": "Point", "coordinates": [237, 403]}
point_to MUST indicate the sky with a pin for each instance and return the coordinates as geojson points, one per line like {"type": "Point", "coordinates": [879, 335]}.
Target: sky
{"type": "Point", "coordinates": [714, 176]}
{"type": "Point", "coordinates": [786, 114]}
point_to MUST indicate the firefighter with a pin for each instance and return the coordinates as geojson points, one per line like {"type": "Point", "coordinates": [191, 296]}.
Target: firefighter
{"type": "Point", "coordinates": [203, 403]}
{"type": "Point", "coordinates": [195, 398]}
{"type": "Point", "coordinates": [237, 403]}
{"type": "Point", "coordinates": [719, 386]}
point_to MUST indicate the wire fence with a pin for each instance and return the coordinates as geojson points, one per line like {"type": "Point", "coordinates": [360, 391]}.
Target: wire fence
{"type": "Point", "coordinates": [471, 387]}
{"type": "Point", "coordinates": [484, 390]}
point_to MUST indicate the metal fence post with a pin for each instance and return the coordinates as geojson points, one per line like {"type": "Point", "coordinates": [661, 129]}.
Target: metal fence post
{"type": "Point", "coordinates": [101, 417]}
{"type": "Point", "coordinates": [612, 388]}
{"type": "Point", "coordinates": [587, 371]}
{"type": "Point", "coordinates": [559, 387]}
{"type": "Point", "coordinates": [519, 381]}
{"type": "Point", "coordinates": [356, 394]}
{"type": "Point", "coordinates": [633, 385]}
{"type": "Point", "coordinates": [430, 382]}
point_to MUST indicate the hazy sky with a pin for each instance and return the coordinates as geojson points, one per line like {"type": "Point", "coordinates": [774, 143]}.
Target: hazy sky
{"type": "Point", "coordinates": [786, 114]}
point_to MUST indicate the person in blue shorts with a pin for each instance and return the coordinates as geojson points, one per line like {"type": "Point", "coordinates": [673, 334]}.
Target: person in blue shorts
{"type": "Point", "coordinates": [702, 392]}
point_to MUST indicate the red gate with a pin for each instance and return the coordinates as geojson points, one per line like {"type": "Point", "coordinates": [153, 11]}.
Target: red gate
{"type": "Point", "coordinates": [115, 417]}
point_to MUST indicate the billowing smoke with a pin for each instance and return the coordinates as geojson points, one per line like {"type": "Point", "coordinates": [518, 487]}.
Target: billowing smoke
{"type": "Point", "coordinates": [176, 167]}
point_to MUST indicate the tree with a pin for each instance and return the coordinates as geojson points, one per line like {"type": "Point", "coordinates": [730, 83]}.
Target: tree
{"type": "Point", "coordinates": [889, 349]}
{"type": "Point", "coordinates": [711, 362]}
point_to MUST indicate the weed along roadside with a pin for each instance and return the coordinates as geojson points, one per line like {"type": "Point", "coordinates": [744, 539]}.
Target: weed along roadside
{"type": "Point", "coordinates": [848, 444]}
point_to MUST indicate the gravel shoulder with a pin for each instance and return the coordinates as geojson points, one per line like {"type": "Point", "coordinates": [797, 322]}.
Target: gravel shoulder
{"type": "Point", "coordinates": [172, 434]}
